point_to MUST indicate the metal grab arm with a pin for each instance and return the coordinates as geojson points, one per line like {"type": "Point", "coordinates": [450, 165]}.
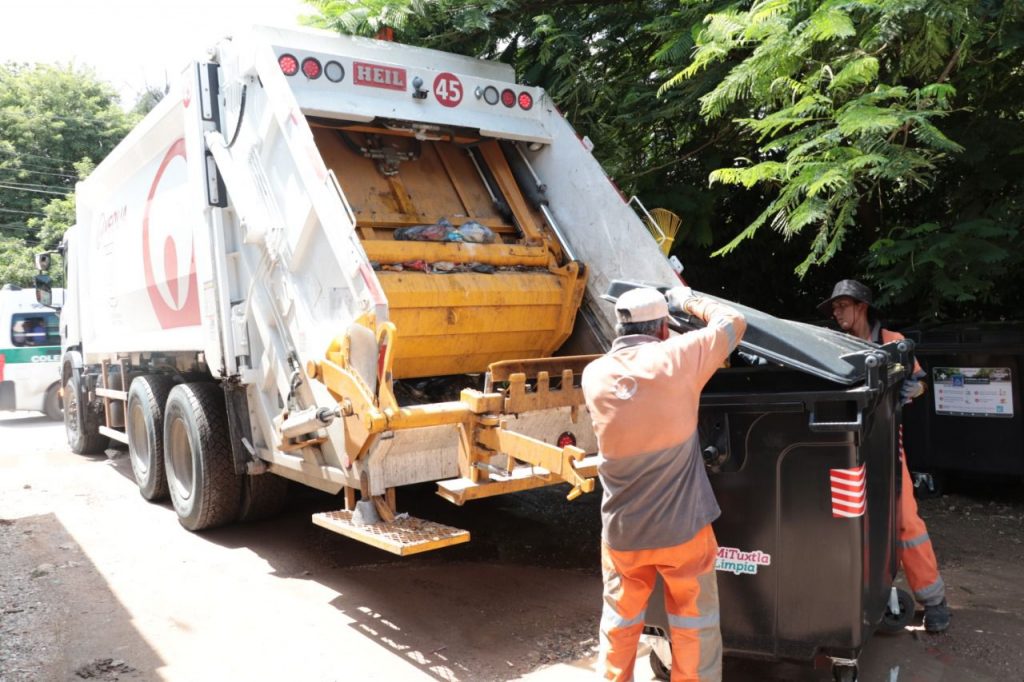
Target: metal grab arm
{"type": "Point", "coordinates": [558, 461]}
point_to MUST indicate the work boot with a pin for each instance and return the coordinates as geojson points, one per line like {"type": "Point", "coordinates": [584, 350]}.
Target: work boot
{"type": "Point", "coordinates": [936, 617]}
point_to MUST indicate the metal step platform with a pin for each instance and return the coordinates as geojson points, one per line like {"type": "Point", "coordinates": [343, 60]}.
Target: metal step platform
{"type": "Point", "coordinates": [404, 536]}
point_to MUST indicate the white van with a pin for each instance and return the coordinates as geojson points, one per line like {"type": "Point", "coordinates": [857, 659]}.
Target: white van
{"type": "Point", "coordinates": [29, 353]}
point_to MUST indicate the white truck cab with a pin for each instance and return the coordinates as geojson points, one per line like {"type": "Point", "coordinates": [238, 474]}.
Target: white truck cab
{"type": "Point", "coordinates": [29, 353]}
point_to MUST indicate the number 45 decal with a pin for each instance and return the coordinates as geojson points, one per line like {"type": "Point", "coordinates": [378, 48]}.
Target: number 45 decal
{"type": "Point", "coordinates": [448, 89]}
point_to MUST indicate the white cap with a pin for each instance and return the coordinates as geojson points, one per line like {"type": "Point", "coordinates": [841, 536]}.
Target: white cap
{"type": "Point", "coordinates": [641, 305]}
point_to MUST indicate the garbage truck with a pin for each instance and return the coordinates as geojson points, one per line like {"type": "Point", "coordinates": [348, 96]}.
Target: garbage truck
{"type": "Point", "coordinates": [351, 264]}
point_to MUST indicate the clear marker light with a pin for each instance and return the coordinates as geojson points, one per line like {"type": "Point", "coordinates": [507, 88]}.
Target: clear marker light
{"type": "Point", "coordinates": [334, 71]}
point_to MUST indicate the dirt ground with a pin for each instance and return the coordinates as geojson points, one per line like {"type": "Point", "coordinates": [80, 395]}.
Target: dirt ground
{"type": "Point", "coordinates": [97, 584]}
{"type": "Point", "coordinates": [978, 531]}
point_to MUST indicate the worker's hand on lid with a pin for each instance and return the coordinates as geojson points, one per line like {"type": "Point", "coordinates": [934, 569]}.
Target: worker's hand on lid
{"type": "Point", "coordinates": [678, 298]}
{"type": "Point", "coordinates": [910, 389]}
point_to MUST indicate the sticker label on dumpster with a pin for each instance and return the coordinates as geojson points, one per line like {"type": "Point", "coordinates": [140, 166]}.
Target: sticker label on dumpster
{"type": "Point", "coordinates": [973, 391]}
{"type": "Point", "coordinates": [849, 491]}
{"type": "Point", "coordinates": [736, 561]}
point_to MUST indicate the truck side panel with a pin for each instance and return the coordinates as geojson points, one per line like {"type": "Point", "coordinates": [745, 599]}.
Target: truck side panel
{"type": "Point", "coordinates": [138, 265]}
{"type": "Point", "coordinates": [604, 231]}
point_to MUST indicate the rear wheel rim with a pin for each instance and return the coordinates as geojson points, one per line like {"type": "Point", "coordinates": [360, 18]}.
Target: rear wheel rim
{"type": "Point", "coordinates": [142, 458]}
{"type": "Point", "coordinates": [179, 450]}
{"type": "Point", "coordinates": [71, 410]}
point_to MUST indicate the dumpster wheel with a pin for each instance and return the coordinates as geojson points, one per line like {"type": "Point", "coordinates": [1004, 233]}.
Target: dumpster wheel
{"type": "Point", "coordinates": [844, 672]}
{"type": "Point", "coordinates": [894, 623]}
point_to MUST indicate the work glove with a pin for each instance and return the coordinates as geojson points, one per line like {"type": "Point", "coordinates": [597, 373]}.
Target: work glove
{"type": "Point", "coordinates": [678, 298]}
{"type": "Point", "coordinates": [910, 389]}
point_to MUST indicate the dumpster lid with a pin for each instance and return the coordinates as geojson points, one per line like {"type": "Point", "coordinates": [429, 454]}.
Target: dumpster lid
{"type": "Point", "coordinates": [820, 351]}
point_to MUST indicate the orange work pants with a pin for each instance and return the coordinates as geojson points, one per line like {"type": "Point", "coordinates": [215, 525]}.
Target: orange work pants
{"type": "Point", "coordinates": [691, 601]}
{"type": "Point", "coordinates": [915, 547]}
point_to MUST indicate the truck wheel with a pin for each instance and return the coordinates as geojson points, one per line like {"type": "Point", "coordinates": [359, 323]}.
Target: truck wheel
{"type": "Point", "coordinates": [145, 428]}
{"type": "Point", "coordinates": [263, 496]}
{"type": "Point", "coordinates": [81, 423]}
{"type": "Point", "coordinates": [52, 407]}
{"type": "Point", "coordinates": [205, 490]}
{"type": "Point", "coordinates": [659, 669]}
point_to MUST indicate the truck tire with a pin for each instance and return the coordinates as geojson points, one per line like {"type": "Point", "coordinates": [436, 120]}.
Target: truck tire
{"type": "Point", "coordinates": [204, 488]}
{"type": "Point", "coordinates": [81, 423]}
{"type": "Point", "coordinates": [145, 429]}
{"type": "Point", "coordinates": [659, 669]}
{"type": "Point", "coordinates": [263, 497]}
{"type": "Point", "coordinates": [52, 407]}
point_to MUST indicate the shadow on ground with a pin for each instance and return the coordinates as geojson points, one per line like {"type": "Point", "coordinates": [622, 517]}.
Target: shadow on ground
{"type": "Point", "coordinates": [525, 593]}
{"type": "Point", "coordinates": [59, 617]}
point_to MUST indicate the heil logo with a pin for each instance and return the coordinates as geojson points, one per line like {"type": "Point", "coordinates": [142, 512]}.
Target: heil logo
{"type": "Point", "coordinates": [378, 76]}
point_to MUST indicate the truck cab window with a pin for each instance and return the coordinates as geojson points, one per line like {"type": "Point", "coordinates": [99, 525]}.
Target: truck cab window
{"type": "Point", "coordinates": [35, 329]}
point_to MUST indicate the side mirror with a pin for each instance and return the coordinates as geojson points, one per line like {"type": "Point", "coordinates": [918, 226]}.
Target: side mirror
{"type": "Point", "coordinates": [42, 262]}
{"type": "Point", "coordinates": [44, 289]}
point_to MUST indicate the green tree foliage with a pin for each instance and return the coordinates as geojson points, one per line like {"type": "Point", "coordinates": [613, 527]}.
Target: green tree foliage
{"type": "Point", "coordinates": [868, 120]}
{"type": "Point", "coordinates": [878, 138]}
{"type": "Point", "coordinates": [51, 119]}
{"type": "Point", "coordinates": [147, 101]}
{"type": "Point", "coordinates": [16, 264]}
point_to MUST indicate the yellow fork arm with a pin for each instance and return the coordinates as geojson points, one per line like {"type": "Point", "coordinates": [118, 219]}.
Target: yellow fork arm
{"type": "Point", "coordinates": [559, 461]}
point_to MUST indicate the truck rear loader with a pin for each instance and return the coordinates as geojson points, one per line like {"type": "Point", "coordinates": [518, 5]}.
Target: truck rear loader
{"type": "Point", "coordinates": [351, 264]}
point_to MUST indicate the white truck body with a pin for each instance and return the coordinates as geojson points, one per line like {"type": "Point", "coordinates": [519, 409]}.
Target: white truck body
{"type": "Point", "coordinates": [232, 236]}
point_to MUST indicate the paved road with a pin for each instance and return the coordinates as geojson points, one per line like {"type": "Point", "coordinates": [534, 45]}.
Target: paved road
{"type": "Point", "coordinates": [100, 578]}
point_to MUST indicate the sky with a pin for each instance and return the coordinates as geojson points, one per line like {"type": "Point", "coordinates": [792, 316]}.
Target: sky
{"type": "Point", "coordinates": [132, 44]}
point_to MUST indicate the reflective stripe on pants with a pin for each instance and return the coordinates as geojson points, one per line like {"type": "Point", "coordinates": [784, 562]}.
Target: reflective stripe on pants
{"type": "Point", "coordinates": [915, 547]}
{"type": "Point", "coordinates": [691, 601]}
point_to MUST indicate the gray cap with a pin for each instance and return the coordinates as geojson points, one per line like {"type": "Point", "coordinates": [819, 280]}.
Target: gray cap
{"type": "Point", "coordinates": [847, 287]}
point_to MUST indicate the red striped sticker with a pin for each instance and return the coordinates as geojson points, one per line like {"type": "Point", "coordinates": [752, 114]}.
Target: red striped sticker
{"type": "Point", "coordinates": [849, 491]}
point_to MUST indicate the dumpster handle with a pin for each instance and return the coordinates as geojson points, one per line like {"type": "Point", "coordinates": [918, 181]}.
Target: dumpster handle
{"type": "Point", "coordinates": [815, 425]}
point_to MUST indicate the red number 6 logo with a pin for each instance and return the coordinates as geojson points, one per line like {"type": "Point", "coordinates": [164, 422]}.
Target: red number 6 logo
{"type": "Point", "coordinates": [448, 89]}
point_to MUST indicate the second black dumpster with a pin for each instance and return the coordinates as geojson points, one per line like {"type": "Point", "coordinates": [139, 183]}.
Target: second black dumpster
{"type": "Point", "coordinates": [970, 420]}
{"type": "Point", "coordinates": [801, 449]}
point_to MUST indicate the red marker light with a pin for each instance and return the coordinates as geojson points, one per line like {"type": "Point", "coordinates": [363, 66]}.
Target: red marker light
{"type": "Point", "coordinates": [289, 64]}
{"type": "Point", "coordinates": [311, 68]}
{"type": "Point", "coordinates": [566, 439]}
{"type": "Point", "coordinates": [525, 101]}
{"type": "Point", "coordinates": [508, 98]}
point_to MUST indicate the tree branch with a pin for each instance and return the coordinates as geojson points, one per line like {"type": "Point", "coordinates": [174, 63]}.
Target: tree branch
{"type": "Point", "coordinates": [714, 138]}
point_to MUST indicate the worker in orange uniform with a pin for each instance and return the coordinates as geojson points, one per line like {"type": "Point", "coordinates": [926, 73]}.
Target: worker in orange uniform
{"type": "Point", "coordinates": [658, 505]}
{"type": "Point", "coordinates": [850, 305]}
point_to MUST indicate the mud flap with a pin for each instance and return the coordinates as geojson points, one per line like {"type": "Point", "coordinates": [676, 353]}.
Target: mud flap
{"type": "Point", "coordinates": [7, 395]}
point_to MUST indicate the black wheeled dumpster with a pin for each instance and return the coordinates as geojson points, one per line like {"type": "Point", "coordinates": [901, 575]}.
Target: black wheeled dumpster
{"type": "Point", "coordinates": [800, 438]}
{"type": "Point", "coordinates": [971, 418]}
